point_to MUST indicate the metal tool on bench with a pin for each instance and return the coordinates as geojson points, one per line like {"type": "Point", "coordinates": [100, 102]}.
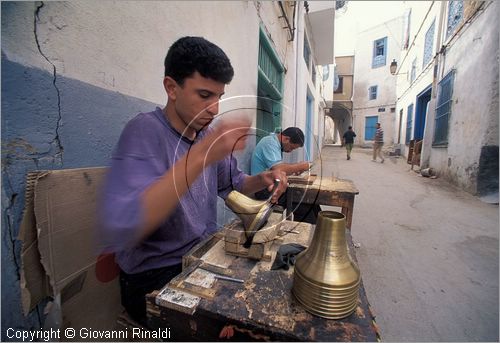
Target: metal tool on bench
{"type": "Point", "coordinates": [253, 213]}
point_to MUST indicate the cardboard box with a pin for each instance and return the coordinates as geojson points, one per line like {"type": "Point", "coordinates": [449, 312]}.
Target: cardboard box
{"type": "Point", "coordinates": [60, 258]}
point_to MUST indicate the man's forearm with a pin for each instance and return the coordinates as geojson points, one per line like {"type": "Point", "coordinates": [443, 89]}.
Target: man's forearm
{"type": "Point", "coordinates": [292, 168]}
{"type": "Point", "coordinates": [253, 183]}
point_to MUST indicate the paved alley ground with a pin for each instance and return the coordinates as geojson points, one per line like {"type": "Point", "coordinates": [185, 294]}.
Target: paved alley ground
{"type": "Point", "coordinates": [428, 251]}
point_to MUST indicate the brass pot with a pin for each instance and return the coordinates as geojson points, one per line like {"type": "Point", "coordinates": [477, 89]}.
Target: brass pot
{"type": "Point", "coordinates": [326, 279]}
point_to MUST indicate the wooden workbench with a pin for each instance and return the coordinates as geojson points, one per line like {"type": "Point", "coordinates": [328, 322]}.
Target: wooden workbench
{"type": "Point", "coordinates": [324, 191]}
{"type": "Point", "coordinates": [261, 308]}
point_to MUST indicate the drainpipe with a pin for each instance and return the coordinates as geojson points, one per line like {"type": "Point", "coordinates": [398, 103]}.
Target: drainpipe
{"type": "Point", "coordinates": [297, 56]}
{"type": "Point", "coordinates": [427, 143]}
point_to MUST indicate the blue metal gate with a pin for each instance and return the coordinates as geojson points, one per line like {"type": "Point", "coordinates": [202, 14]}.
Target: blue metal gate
{"type": "Point", "coordinates": [370, 123]}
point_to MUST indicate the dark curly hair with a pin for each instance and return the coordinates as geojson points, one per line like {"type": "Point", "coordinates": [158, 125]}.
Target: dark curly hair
{"type": "Point", "coordinates": [295, 134]}
{"type": "Point", "coordinates": [190, 54]}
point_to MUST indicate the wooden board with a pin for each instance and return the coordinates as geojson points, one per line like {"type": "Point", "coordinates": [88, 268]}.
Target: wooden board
{"type": "Point", "coordinates": [305, 179]}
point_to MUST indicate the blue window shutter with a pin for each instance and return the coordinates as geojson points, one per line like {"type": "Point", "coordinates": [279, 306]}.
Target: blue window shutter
{"type": "Point", "coordinates": [385, 50]}
{"type": "Point", "coordinates": [443, 109]}
{"type": "Point", "coordinates": [409, 123]}
{"type": "Point", "coordinates": [379, 52]}
{"type": "Point", "coordinates": [372, 93]}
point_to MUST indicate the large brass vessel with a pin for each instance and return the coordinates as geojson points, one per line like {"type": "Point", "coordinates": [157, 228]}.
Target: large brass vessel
{"type": "Point", "coordinates": [326, 279]}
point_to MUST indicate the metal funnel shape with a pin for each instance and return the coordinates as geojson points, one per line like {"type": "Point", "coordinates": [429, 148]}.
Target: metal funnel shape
{"type": "Point", "coordinates": [253, 213]}
{"type": "Point", "coordinates": [326, 279]}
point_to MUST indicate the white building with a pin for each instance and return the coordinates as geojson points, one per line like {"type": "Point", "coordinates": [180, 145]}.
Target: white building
{"type": "Point", "coordinates": [374, 95]}
{"type": "Point", "coordinates": [447, 90]}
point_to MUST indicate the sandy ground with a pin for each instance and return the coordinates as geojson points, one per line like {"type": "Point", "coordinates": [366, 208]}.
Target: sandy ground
{"type": "Point", "coordinates": [428, 251]}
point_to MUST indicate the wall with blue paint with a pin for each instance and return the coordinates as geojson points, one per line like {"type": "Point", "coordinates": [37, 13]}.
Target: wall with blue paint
{"type": "Point", "coordinates": [47, 128]}
{"type": "Point", "coordinates": [73, 74]}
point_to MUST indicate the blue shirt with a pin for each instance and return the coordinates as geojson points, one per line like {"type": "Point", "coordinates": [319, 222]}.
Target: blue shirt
{"type": "Point", "coordinates": [147, 148]}
{"type": "Point", "coordinates": [267, 153]}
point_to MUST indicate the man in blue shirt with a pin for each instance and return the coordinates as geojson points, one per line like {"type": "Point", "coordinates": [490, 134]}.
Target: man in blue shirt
{"type": "Point", "coordinates": [268, 155]}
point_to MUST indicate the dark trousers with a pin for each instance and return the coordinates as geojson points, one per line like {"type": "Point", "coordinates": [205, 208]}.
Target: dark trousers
{"type": "Point", "coordinates": [307, 213]}
{"type": "Point", "coordinates": [134, 288]}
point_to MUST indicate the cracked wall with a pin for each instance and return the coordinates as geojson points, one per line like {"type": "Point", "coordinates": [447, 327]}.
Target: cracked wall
{"type": "Point", "coordinates": [73, 74]}
{"type": "Point", "coordinates": [49, 121]}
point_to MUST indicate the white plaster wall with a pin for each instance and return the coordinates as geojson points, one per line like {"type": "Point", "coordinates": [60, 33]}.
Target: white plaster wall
{"type": "Point", "coordinates": [304, 85]}
{"type": "Point", "coordinates": [422, 15]}
{"type": "Point", "coordinates": [474, 119]}
{"type": "Point", "coordinates": [268, 12]}
{"type": "Point", "coordinates": [109, 44]}
{"type": "Point", "coordinates": [365, 76]}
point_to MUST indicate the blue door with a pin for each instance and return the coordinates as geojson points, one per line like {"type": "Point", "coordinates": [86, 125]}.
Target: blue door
{"type": "Point", "coordinates": [421, 113]}
{"type": "Point", "coordinates": [309, 132]}
{"type": "Point", "coordinates": [370, 123]}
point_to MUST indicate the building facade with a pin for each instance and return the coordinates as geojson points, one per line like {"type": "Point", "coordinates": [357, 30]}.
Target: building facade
{"type": "Point", "coordinates": [374, 95]}
{"type": "Point", "coordinates": [342, 104]}
{"type": "Point", "coordinates": [73, 73]}
{"type": "Point", "coordinates": [447, 90]}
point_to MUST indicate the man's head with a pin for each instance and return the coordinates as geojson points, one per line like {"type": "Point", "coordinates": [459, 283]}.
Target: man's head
{"type": "Point", "coordinates": [196, 72]}
{"type": "Point", "coordinates": [350, 128]}
{"type": "Point", "coordinates": [292, 138]}
{"type": "Point", "coordinates": [195, 54]}
{"type": "Point", "coordinates": [378, 125]}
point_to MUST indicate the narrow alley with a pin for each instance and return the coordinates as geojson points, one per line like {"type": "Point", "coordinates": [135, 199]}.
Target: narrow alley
{"type": "Point", "coordinates": [428, 252]}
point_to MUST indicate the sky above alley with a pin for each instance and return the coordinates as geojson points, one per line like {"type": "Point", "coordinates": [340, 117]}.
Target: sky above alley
{"type": "Point", "coordinates": [359, 16]}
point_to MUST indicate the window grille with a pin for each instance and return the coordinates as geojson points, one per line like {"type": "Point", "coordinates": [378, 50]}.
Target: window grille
{"type": "Point", "coordinates": [271, 67]}
{"type": "Point", "coordinates": [379, 52]}
{"type": "Point", "coordinates": [372, 93]}
{"type": "Point", "coordinates": [409, 123]}
{"type": "Point", "coordinates": [429, 44]}
{"type": "Point", "coordinates": [270, 86]}
{"type": "Point", "coordinates": [455, 14]}
{"type": "Point", "coordinates": [443, 109]}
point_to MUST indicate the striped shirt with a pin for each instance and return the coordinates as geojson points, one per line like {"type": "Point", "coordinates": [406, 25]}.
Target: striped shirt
{"type": "Point", "coordinates": [379, 136]}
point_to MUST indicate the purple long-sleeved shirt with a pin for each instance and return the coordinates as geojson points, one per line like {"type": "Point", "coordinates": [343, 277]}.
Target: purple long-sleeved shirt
{"type": "Point", "coordinates": [147, 148]}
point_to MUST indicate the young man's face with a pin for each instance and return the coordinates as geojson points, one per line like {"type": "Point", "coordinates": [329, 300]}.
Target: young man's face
{"type": "Point", "coordinates": [287, 145]}
{"type": "Point", "coordinates": [197, 100]}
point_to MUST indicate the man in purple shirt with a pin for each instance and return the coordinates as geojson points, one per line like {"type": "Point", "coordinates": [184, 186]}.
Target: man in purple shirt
{"type": "Point", "coordinates": [160, 195]}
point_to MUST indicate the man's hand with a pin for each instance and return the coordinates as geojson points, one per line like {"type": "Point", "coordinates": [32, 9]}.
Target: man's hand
{"type": "Point", "coordinates": [268, 178]}
{"type": "Point", "coordinates": [228, 135]}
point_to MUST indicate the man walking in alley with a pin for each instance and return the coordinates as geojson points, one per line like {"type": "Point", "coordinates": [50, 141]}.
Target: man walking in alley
{"type": "Point", "coordinates": [348, 141]}
{"type": "Point", "coordinates": [378, 143]}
